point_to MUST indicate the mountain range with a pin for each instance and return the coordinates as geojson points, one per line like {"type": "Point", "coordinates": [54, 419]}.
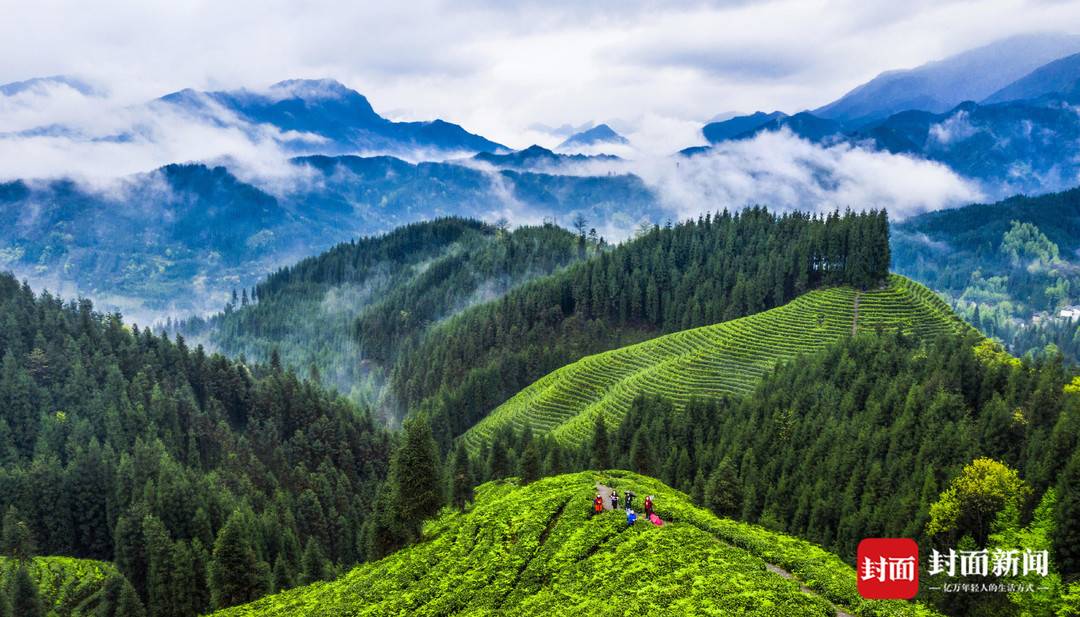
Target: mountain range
{"type": "Point", "coordinates": [1022, 137]}
{"type": "Point", "coordinates": [177, 239]}
{"type": "Point", "coordinates": [342, 119]}
{"type": "Point", "coordinates": [939, 86]}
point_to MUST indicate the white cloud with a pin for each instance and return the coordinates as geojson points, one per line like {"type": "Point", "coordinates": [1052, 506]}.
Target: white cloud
{"type": "Point", "coordinates": [781, 171]}
{"type": "Point", "coordinates": [496, 67]}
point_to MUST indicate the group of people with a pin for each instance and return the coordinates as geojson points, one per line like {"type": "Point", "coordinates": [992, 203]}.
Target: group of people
{"type": "Point", "coordinates": [628, 500]}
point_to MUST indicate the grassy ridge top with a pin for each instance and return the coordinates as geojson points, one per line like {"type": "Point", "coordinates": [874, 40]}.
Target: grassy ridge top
{"type": "Point", "coordinates": [725, 358]}
{"type": "Point", "coordinates": [535, 550]}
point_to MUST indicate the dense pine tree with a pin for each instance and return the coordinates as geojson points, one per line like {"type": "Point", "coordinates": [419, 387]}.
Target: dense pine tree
{"type": "Point", "coordinates": [23, 598]}
{"type": "Point", "coordinates": [702, 271]}
{"type": "Point", "coordinates": [723, 493]}
{"type": "Point", "coordinates": [530, 464]}
{"type": "Point", "coordinates": [599, 451]}
{"type": "Point", "coordinates": [313, 565]}
{"type": "Point", "coordinates": [415, 473]}
{"type": "Point", "coordinates": [234, 568]}
{"type": "Point", "coordinates": [461, 478]}
{"type": "Point", "coordinates": [1066, 546]}
{"type": "Point", "coordinates": [110, 424]}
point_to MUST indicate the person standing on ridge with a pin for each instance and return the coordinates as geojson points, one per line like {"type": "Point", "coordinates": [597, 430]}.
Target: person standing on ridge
{"type": "Point", "coordinates": [630, 498]}
{"type": "Point", "coordinates": [614, 500]}
{"type": "Point", "coordinates": [648, 506]}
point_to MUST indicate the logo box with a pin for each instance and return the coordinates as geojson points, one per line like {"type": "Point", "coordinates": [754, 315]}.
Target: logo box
{"type": "Point", "coordinates": [888, 568]}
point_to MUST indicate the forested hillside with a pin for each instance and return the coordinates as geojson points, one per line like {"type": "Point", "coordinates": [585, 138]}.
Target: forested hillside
{"type": "Point", "coordinates": [120, 445]}
{"type": "Point", "coordinates": [695, 273]}
{"type": "Point", "coordinates": [860, 440]}
{"type": "Point", "coordinates": [345, 313]}
{"type": "Point", "coordinates": [723, 359]}
{"type": "Point", "coordinates": [66, 587]}
{"type": "Point", "coordinates": [535, 550]}
{"type": "Point", "coordinates": [1001, 265]}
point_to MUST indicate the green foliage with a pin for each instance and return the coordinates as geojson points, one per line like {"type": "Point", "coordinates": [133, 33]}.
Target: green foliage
{"type": "Point", "coordinates": [599, 451]}
{"type": "Point", "coordinates": [1066, 545]}
{"type": "Point", "coordinates": [727, 358]}
{"type": "Point", "coordinates": [462, 479]}
{"type": "Point", "coordinates": [15, 538]}
{"type": "Point", "coordinates": [535, 550]}
{"type": "Point", "coordinates": [345, 313]}
{"type": "Point", "coordinates": [859, 439]}
{"type": "Point", "coordinates": [1002, 264]}
{"type": "Point", "coordinates": [107, 424]}
{"type": "Point", "coordinates": [22, 594]}
{"type": "Point", "coordinates": [234, 569]}
{"type": "Point", "coordinates": [1025, 245]}
{"type": "Point", "coordinates": [313, 565]}
{"type": "Point", "coordinates": [974, 498]}
{"type": "Point", "coordinates": [670, 279]}
{"type": "Point", "coordinates": [66, 587]}
{"type": "Point", "coordinates": [1010, 534]}
{"type": "Point", "coordinates": [723, 493]}
{"type": "Point", "coordinates": [415, 475]}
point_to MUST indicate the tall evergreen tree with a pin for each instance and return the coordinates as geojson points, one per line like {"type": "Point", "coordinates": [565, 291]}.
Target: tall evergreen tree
{"type": "Point", "coordinates": [723, 494]}
{"type": "Point", "coordinates": [384, 529]}
{"type": "Point", "coordinates": [282, 575]}
{"type": "Point", "coordinates": [461, 478]}
{"type": "Point", "coordinates": [600, 453]}
{"type": "Point", "coordinates": [642, 457]}
{"type": "Point", "coordinates": [313, 565]}
{"type": "Point", "coordinates": [16, 541]}
{"type": "Point", "coordinates": [160, 567]}
{"type": "Point", "coordinates": [529, 469]}
{"type": "Point", "coordinates": [415, 473]}
{"type": "Point", "coordinates": [1066, 539]}
{"type": "Point", "coordinates": [498, 462]}
{"type": "Point", "coordinates": [233, 573]}
{"type": "Point", "coordinates": [23, 592]}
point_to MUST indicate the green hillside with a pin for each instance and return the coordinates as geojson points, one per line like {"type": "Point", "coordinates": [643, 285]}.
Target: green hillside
{"type": "Point", "coordinates": [66, 586]}
{"type": "Point", "coordinates": [535, 550]}
{"type": "Point", "coordinates": [725, 358]}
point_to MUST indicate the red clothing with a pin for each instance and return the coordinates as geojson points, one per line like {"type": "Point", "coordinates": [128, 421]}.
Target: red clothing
{"type": "Point", "coordinates": [599, 504]}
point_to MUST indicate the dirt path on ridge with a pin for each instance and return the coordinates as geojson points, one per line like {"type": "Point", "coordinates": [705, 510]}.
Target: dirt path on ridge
{"type": "Point", "coordinates": [855, 318]}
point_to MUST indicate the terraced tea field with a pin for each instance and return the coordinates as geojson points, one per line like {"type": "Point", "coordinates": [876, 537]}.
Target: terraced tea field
{"type": "Point", "coordinates": [536, 550]}
{"type": "Point", "coordinates": [726, 358]}
{"type": "Point", "coordinates": [67, 586]}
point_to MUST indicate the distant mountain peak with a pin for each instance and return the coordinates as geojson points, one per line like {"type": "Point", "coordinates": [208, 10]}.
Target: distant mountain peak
{"type": "Point", "coordinates": [599, 134]}
{"type": "Point", "coordinates": [17, 87]}
{"type": "Point", "coordinates": [739, 126]}
{"type": "Point", "coordinates": [940, 85]}
{"type": "Point", "coordinates": [341, 116]}
{"type": "Point", "coordinates": [1057, 77]}
{"type": "Point", "coordinates": [535, 157]}
{"type": "Point", "coordinates": [312, 89]}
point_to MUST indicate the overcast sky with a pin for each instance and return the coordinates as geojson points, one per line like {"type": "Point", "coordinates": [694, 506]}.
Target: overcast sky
{"type": "Point", "coordinates": [664, 67]}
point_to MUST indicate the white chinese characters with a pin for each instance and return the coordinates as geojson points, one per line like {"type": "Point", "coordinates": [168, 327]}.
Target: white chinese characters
{"type": "Point", "coordinates": [999, 562]}
{"type": "Point", "coordinates": [888, 569]}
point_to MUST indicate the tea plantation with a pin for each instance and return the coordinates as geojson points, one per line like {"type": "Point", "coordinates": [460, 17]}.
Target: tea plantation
{"type": "Point", "coordinates": [536, 550]}
{"type": "Point", "coordinates": [726, 358]}
{"type": "Point", "coordinates": [67, 586]}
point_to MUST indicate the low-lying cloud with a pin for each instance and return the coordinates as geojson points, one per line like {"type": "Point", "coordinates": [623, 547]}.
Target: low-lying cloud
{"type": "Point", "coordinates": [54, 130]}
{"type": "Point", "coordinates": [784, 172]}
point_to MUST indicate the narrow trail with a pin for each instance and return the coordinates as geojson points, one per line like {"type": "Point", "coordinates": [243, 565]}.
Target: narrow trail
{"type": "Point", "coordinates": [855, 318]}
{"type": "Point", "coordinates": [605, 494]}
